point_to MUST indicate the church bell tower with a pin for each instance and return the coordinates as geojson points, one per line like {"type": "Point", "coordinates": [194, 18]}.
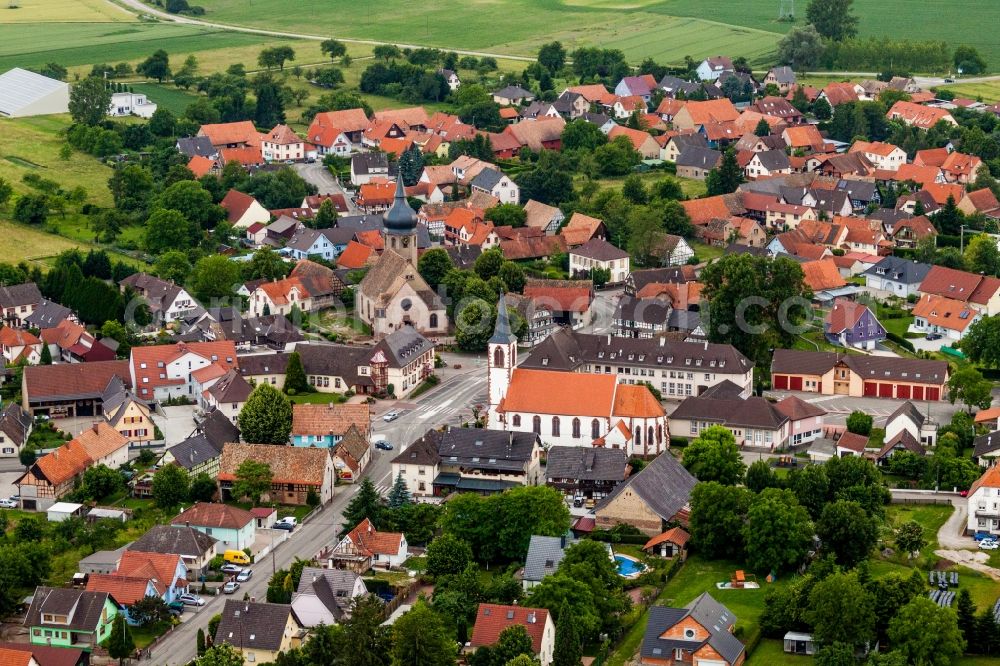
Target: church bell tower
{"type": "Point", "coordinates": [501, 359]}
{"type": "Point", "coordinates": [400, 223]}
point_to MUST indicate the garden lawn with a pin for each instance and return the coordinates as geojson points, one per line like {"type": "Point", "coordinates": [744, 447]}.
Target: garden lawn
{"type": "Point", "coordinates": [167, 97]}
{"type": "Point", "coordinates": [704, 251]}
{"type": "Point", "coordinates": [21, 243]}
{"type": "Point", "coordinates": [771, 652]}
{"type": "Point", "coordinates": [930, 516]}
{"type": "Point", "coordinates": [317, 398]}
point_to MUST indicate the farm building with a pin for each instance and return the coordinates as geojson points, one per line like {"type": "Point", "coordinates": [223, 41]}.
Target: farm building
{"type": "Point", "coordinates": [24, 93]}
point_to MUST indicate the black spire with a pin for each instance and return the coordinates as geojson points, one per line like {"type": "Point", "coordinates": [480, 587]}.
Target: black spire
{"type": "Point", "coordinates": [502, 334]}
{"type": "Point", "coordinates": [400, 218]}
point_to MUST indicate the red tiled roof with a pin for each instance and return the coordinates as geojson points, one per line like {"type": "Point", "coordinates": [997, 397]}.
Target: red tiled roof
{"type": "Point", "coordinates": [12, 657]}
{"type": "Point", "coordinates": [822, 274]}
{"type": "Point", "coordinates": [370, 541]}
{"type": "Point", "coordinates": [853, 442]}
{"type": "Point", "coordinates": [944, 312]}
{"type": "Point", "coordinates": [374, 194]}
{"type": "Point", "coordinates": [565, 393]}
{"type": "Point", "coordinates": [989, 479]}
{"type": "Point", "coordinates": [73, 379]}
{"type": "Point", "coordinates": [983, 200]}
{"type": "Point", "coordinates": [673, 535]}
{"type": "Point", "coordinates": [803, 136]}
{"type": "Point", "coordinates": [247, 156]}
{"type": "Point", "coordinates": [492, 619]}
{"type": "Point", "coordinates": [930, 157]}
{"type": "Point", "coordinates": [200, 165]}
{"type": "Point", "coordinates": [637, 137]}
{"type": "Point", "coordinates": [236, 204]}
{"type": "Point", "coordinates": [125, 589]}
{"type": "Point", "coordinates": [941, 191]}
{"type": "Point", "coordinates": [922, 175]}
{"type": "Point", "coordinates": [16, 337]}
{"type": "Point", "coordinates": [702, 211]}
{"type": "Point", "coordinates": [635, 400]}
{"type": "Point", "coordinates": [221, 134]}
{"type": "Point", "coordinates": [146, 360]}
{"type": "Point", "coordinates": [844, 314]}
{"type": "Point", "coordinates": [213, 514]}
{"type": "Point", "coordinates": [713, 110]}
{"type": "Point", "coordinates": [959, 285]}
{"type": "Point", "coordinates": [580, 229]}
{"type": "Point", "coordinates": [924, 117]}
{"type": "Point", "coordinates": [137, 562]}
{"type": "Point", "coordinates": [563, 295]}
{"type": "Point", "coordinates": [348, 120]}
{"type": "Point", "coordinates": [282, 135]}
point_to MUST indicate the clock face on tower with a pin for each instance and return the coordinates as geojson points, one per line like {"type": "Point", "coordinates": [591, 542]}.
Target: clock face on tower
{"type": "Point", "coordinates": [406, 241]}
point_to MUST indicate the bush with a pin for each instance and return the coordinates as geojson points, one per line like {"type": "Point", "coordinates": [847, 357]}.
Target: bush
{"type": "Point", "coordinates": [679, 442]}
{"type": "Point", "coordinates": [902, 342]}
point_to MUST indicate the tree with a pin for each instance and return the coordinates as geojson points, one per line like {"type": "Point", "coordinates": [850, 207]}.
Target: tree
{"type": "Point", "coordinates": [968, 61]}
{"type": "Point", "coordinates": [149, 610]}
{"type": "Point", "coordinates": [568, 649]}
{"type": "Point", "coordinates": [949, 218]}
{"type": "Point", "coordinates": [717, 516]}
{"type": "Point", "coordinates": [170, 486]}
{"type": "Point", "coordinates": [420, 638]}
{"type": "Point", "coordinates": [762, 128]}
{"type": "Point", "coordinates": [276, 56]}
{"type": "Point", "coordinates": [965, 611]}
{"type": "Point", "coordinates": [366, 503]}
{"type": "Point", "coordinates": [910, 537]}
{"type": "Point", "coordinates": [270, 107]}
{"type": "Point", "coordinates": [856, 478]}
{"type": "Point", "coordinates": [89, 101]}
{"type": "Point", "coordinates": [45, 358]}
{"type": "Point", "coordinates": [6, 191]}
{"type": "Point", "coordinates": [926, 633]}
{"type": "Point", "coordinates": [169, 230]}
{"type": "Point", "coordinates": [325, 218]}
{"type": "Point", "coordinates": [800, 48]}
{"type": "Point", "coordinates": [847, 531]}
{"type": "Point", "coordinates": [760, 476]}
{"type": "Point", "coordinates": [156, 66]}
{"type": "Point", "coordinates": [202, 488]}
{"type": "Point", "coordinates": [559, 590]}
{"type": "Point", "coordinates": [223, 654]}
{"type": "Point", "coordinates": [714, 456]}
{"type": "Point", "coordinates": [841, 610]}
{"type": "Point", "coordinates": [332, 48]}
{"type": "Point", "coordinates": [193, 201]}
{"type": "Point", "coordinates": [512, 643]}
{"type": "Point", "coordinates": [552, 56]}
{"type": "Point", "coordinates": [173, 266]}
{"type": "Point", "coordinates": [266, 417]}
{"type": "Point", "coordinates": [399, 494]}
{"type": "Point", "coordinates": [859, 423]}
{"type": "Point", "coordinates": [982, 255]}
{"type": "Point", "coordinates": [119, 642]}
{"type": "Point", "coordinates": [100, 481]}
{"type": "Point", "coordinates": [433, 265]}
{"type": "Point", "coordinates": [507, 215]}
{"type": "Point", "coordinates": [447, 554]}
{"type": "Point", "coordinates": [580, 134]}
{"type": "Point", "coordinates": [727, 177]}
{"type": "Point", "coordinates": [969, 386]}
{"type": "Point", "coordinates": [253, 479]}
{"type": "Point", "coordinates": [550, 182]}
{"type": "Point", "coordinates": [778, 532]}
{"type": "Point", "coordinates": [982, 342]}
{"type": "Point", "coordinates": [295, 376]}
{"type": "Point", "coordinates": [836, 654]}
{"type": "Point", "coordinates": [32, 209]}
{"type": "Point", "coordinates": [634, 190]}
{"type": "Point", "coordinates": [833, 18]}
{"type": "Point", "coordinates": [215, 276]}
{"type": "Point", "coordinates": [474, 326]}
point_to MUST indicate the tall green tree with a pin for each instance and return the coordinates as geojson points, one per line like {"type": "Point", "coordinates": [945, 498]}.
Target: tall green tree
{"type": "Point", "coordinates": [326, 216]}
{"type": "Point", "coordinates": [568, 649]}
{"type": "Point", "coordinates": [846, 530]}
{"type": "Point", "coordinates": [552, 56]}
{"type": "Point", "coordinates": [253, 480]}
{"type": "Point", "coordinates": [778, 532]}
{"type": "Point", "coordinates": [295, 375]}
{"type": "Point", "coordinates": [448, 555]}
{"type": "Point", "coordinates": [89, 101]}
{"type": "Point", "coordinates": [841, 610]}
{"type": "Point", "coordinates": [760, 475]}
{"type": "Point", "coordinates": [714, 456]}
{"type": "Point", "coordinates": [333, 49]}
{"type": "Point", "coordinates": [266, 417]}
{"type": "Point", "coordinates": [170, 486]}
{"type": "Point", "coordinates": [859, 423]}
{"type": "Point", "coordinates": [421, 638]}
{"type": "Point", "coordinates": [215, 276]}
{"type": "Point", "coordinates": [717, 516]}
{"type": "Point", "coordinates": [366, 503]}
{"type": "Point", "coordinates": [982, 255]}
{"type": "Point", "coordinates": [433, 265]}
{"type": "Point", "coordinates": [926, 633]}
{"type": "Point", "coordinates": [369, 641]}
{"type": "Point", "coordinates": [833, 18]}
{"type": "Point", "coordinates": [726, 177]}
{"type": "Point", "coordinates": [45, 358]}
{"type": "Point", "coordinates": [119, 643]}
{"type": "Point", "coordinates": [968, 386]}
{"type": "Point", "coordinates": [156, 66]}
{"type": "Point", "coordinates": [223, 654]}
{"type": "Point", "coordinates": [399, 494]}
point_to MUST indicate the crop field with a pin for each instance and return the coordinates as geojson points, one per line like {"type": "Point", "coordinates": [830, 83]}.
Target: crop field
{"type": "Point", "coordinates": [72, 44]}
{"type": "Point", "coordinates": [989, 91]}
{"type": "Point", "coordinates": [64, 11]}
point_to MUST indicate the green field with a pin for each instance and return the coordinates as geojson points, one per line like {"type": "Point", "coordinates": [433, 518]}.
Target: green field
{"type": "Point", "coordinates": [166, 97]}
{"type": "Point", "coordinates": [61, 11]}
{"type": "Point", "coordinates": [988, 91]}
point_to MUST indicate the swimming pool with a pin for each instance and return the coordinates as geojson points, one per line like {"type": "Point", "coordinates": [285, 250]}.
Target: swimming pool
{"type": "Point", "coordinates": [629, 567]}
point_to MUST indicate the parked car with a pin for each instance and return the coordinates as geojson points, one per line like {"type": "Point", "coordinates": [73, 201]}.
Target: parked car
{"type": "Point", "coordinates": [244, 575]}
{"type": "Point", "coordinates": [191, 600]}
{"type": "Point", "coordinates": [231, 569]}
{"type": "Point", "coordinates": [230, 587]}
{"type": "Point", "coordinates": [7, 503]}
{"type": "Point", "coordinates": [933, 336]}
{"type": "Point", "coordinates": [383, 445]}
{"type": "Point", "coordinates": [287, 523]}
{"type": "Point", "coordinates": [175, 607]}
{"type": "Point", "coordinates": [979, 536]}
{"type": "Point", "coordinates": [390, 416]}
{"type": "Point", "coordinates": [988, 544]}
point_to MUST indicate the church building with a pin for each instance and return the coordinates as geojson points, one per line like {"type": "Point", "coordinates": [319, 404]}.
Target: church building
{"type": "Point", "coordinates": [392, 294]}
{"type": "Point", "coordinates": [569, 408]}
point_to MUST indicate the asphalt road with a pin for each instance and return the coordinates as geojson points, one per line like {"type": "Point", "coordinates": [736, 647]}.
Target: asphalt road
{"type": "Point", "coordinates": [447, 404]}
{"type": "Point", "coordinates": [318, 175]}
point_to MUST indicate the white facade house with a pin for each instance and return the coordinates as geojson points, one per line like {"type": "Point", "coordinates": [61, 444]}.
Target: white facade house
{"type": "Point", "coordinates": [712, 68]}
{"type": "Point", "coordinates": [984, 503]}
{"type": "Point", "coordinates": [908, 418]}
{"type": "Point", "coordinates": [282, 144]}
{"type": "Point", "coordinates": [601, 255]}
{"type": "Point", "coordinates": [498, 184]}
{"type": "Point", "coordinates": [131, 104]}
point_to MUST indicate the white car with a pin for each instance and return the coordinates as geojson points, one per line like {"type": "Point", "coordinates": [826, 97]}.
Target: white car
{"type": "Point", "coordinates": [244, 575]}
{"type": "Point", "coordinates": [287, 523]}
{"type": "Point", "coordinates": [7, 503]}
{"type": "Point", "coordinates": [390, 416]}
{"type": "Point", "coordinates": [989, 544]}
{"type": "Point", "coordinates": [191, 600]}
{"type": "Point", "coordinates": [230, 587]}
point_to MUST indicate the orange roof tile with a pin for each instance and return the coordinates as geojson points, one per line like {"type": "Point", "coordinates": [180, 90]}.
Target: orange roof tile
{"type": "Point", "coordinates": [200, 165]}
{"type": "Point", "coordinates": [803, 136]}
{"type": "Point", "coordinates": [944, 312]}
{"type": "Point", "coordinates": [989, 479]}
{"type": "Point", "coordinates": [941, 191]}
{"type": "Point", "coordinates": [247, 156]}
{"type": "Point", "coordinates": [560, 393]}
{"type": "Point", "coordinates": [163, 564]}
{"type": "Point", "coordinates": [822, 274]}
{"type": "Point", "coordinates": [213, 514]}
{"type": "Point", "coordinates": [349, 120]}
{"type": "Point", "coordinates": [376, 194]}
{"type": "Point", "coordinates": [702, 211]}
{"type": "Point", "coordinates": [282, 135]}
{"type": "Point", "coordinates": [917, 115]}
{"type": "Point", "coordinates": [125, 589]}
{"type": "Point", "coordinates": [370, 541]}
{"type": "Point", "coordinates": [713, 110]}
{"type": "Point", "coordinates": [221, 134]}
{"type": "Point", "coordinates": [636, 400]}
{"type": "Point", "coordinates": [922, 175]}
{"type": "Point", "coordinates": [593, 92]}
{"type": "Point", "coordinates": [100, 440]}
{"type": "Point", "coordinates": [492, 619]}
{"type": "Point", "coordinates": [148, 363]}
{"type": "Point", "coordinates": [673, 535]}
{"type": "Point", "coordinates": [637, 137]}
{"type": "Point", "coordinates": [356, 255]}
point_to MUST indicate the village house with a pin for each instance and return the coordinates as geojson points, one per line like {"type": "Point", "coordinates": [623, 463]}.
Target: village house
{"type": "Point", "coordinates": [258, 631]}
{"type": "Point", "coordinates": [829, 373]}
{"type": "Point", "coordinates": [167, 301]}
{"type": "Point", "coordinates": [19, 345]}
{"type": "Point", "coordinates": [650, 499]}
{"type": "Point", "coordinates": [351, 122]}
{"type": "Point", "coordinates": [325, 596]}
{"type": "Point", "coordinates": [232, 527]}
{"type": "Point", "coordinates": [984, 503]}
{"type": "Point", "coordinates": [368, 166]}
{"type": "Point", "coordinates": [805, 420]}
{"type": "Point", "coordinates": [695, 162]}
{"type": "Point", "coordinates": [69, 618]}
{"type": "Point", "coordinates": [127, 414]}
{"type": "Point", "coordinates": [365, 548]}
{"type": "Point", "coordinates": [297, 473]}
{"type": "Point", "coordinates": [980, 292]}
{"type": "Point", "coordinates": [590, 474]}
{"type": "Point", "coordinates": [884, 156]}
{"type": "Point", "coordinates": [944, 316]}
{"type": "Point", "coordinates": [196, 549]}
{"type": "Point", "coordinates": [492, 619]}
{"type": "Point", "coordinates": [15, 428]}
{"type": "Point", "coordinates": [161, 372]}
{"type": "Point", "coordinates": [280, 297]}
{"type": "Point", "coordinates": [512, 95]}
{"type": "Point", "coordinates": [917, 115]}
{"type": "Point", "coordinates": [598, 254]}
{"type": "Point", "coordinates": [201, 451]}
{"type": "Point", "coordinates": [851, 324]}
{"type": "Point", "coordinates": [767, 163]}
{"type": "Point", "coordinates": [907, 233]}
{"type": "Point", "coordinates": [69, 389]}
{"type": "Point", "coordinates": [783, 77]}
{"type": "Point", "coordinates": [753, 421]}
{"type": "Point", "coordinates": [710, 69]}
{"type": "Point", "coordinates": [542, 216]}
{"type": "Point", "coordinates": [469, 460]}
{"type": "Point", "coordinates": [569, 301]}
{"type": "Point", "coordinates": [910, 423]}
{"type": "Point", "coordinates": [242, 210]}
{"type": "Point", "coordinates": [226, 395]}
{"type": "Point", "coordinates": [323, 426]}
{"type": "Point", "coordinates": [55, 474]}
{"type": "Point", "coordinates": [699, 633]}
{"type": "Point", "coordinates": [896, 275]}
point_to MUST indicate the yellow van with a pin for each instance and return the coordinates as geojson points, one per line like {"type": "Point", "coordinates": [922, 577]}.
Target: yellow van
{"type": "Point", "coordinates": [236, 557]}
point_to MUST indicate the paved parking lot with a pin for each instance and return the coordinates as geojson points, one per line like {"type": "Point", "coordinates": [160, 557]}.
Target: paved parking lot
{"type": "Point", "coordinates": [838, 407]}
{"type": "Point", "coordinates": [176, 423]}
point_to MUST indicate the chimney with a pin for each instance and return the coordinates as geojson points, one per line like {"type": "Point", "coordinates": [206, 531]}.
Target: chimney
{"type": "Point", "coordinates": [95, 428]}
{"type": "Point", "coordinates": [609, 338]}
{"type": "Point", "coordinates": [706, 345]}
{"type": "Point", "coordinates": [663, 341]}
{"type": "Point", "coordinates": [562, 541]}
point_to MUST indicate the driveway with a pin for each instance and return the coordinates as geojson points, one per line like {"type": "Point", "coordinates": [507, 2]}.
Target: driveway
{"type": "Point", "coordinates": [176, 423]}
{"type": "Point", "coordinates": [317, 174]}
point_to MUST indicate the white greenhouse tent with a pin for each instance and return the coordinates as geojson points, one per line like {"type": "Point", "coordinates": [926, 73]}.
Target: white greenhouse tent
{"type": "Point", "coordinates": [24, 93]}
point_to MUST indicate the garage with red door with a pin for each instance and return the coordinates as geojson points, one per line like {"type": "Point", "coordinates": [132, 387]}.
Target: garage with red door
{"type": "Point", "coordinates": [780, 382]}
{"type": "Point", "coordinates": [933, 393]}
{"type": "Point", "coordinates": [918, 392]}
{"type": "Point", "coordinates": [795, 383]}
{"type": "Point", "coordinates": [903, 391]}
{"type": "Point", "coordinates": [885, 390]}
{"type": "Point", "coordinates": [871, 389]}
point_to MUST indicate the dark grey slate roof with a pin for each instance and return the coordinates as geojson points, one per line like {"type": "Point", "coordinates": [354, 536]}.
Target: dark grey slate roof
{"type": "Point", "coordinates": [196, 145]}
{"type": "Point", "coordinates": [986, 444]}
{"type": "Point", "coordinates": [861, 190]}
{"type": "Point", "coordinates": [544, 555]}
{"type": "Point", "coordinates": [218, 429]}
{"type": "Point", "coordinates": [175, 540]}
{"type": "Point", "coordinates": [514, 92]}
{"type": "Point", "coordinates": [567, 349]}
{"type": "Point", "coordinates": [487, 179]}
{"type": "Point", "coordinates": [586, 464]}
{"type": "Point", "coordinates": [320, 358]}
{"type": "Point", "coordinates": [15, 423]}
{"type": "Point", "coordinates": [672, 84]}
{"type": "Point", "coordinates": [773, 160]}
{"type": "Point", "coordinates": [402, 346]}
{"type": "Point", "coordinates": [502, 334]}
{"type": "Point", "coordinates": [664, 485]}
{"type": "Point", "coordinates": [253, 624]}
{"type": "Point", "coordinates": [683, 141]}
{"type": "Point", "coordinates": [651, 311]}
{"type": "Point", "coordinates": [699, 158]}
{"type": "Point", "coordinates": [423, 451]}
{"type": "Point", "coordinates": [487, 449]}
{"type": "Point", "coordinates": [683, 320]}
{"type": "Point", "coordinates": [376, 223]}
{"type": "Point", "coordinates": [84, 608]}
{"type": "Point", "coordinates": [194, 450]}
{"type": "Point", "coordinates": [363, 163]}
{"type": "Point", "coordinates": [333, 587]}
{"type": "Point", "coordinates": [753, 412]}
{"type": "Point", "coordinates": [20, 294]}
{"type": "Point", "coordinates": [599, 250]}
{"type": "Point", "coordinates": [910, 411]}
{"type": "Point", "coordinates": [905, 441]}
{"type": "Point", "coordinates": [264, 364]}
{"type": "Point", "coordinates": [795, 361]}
{"type": "Point", "coordinates": [899, 269]}
{"type": "Point", "coordinates": [707, 612]}
{"type": "Point", "coordinates": [671, 275]}
{"type": "Point", "coordinates": [48, 314]}
{"type": "Point", "coordinates": [783, 74]}
{"type": "Point", "coordinates": [463, 257]}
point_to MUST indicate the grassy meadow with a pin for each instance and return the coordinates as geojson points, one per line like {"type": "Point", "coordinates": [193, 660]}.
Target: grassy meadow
{"type": "Point", "coordinates": [64, 11]}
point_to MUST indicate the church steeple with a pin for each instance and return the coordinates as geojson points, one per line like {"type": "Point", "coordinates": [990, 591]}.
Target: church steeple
{"type": "Point", "coordinates": [400, 223]}
{"type": "Point", "coordinates": [502, 334]}
{"type": "Point", "coordinates": [501, 358]}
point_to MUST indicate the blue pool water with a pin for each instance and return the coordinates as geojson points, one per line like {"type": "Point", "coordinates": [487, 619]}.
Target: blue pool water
{"type": "Point", "coordinates": [628, 567]}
